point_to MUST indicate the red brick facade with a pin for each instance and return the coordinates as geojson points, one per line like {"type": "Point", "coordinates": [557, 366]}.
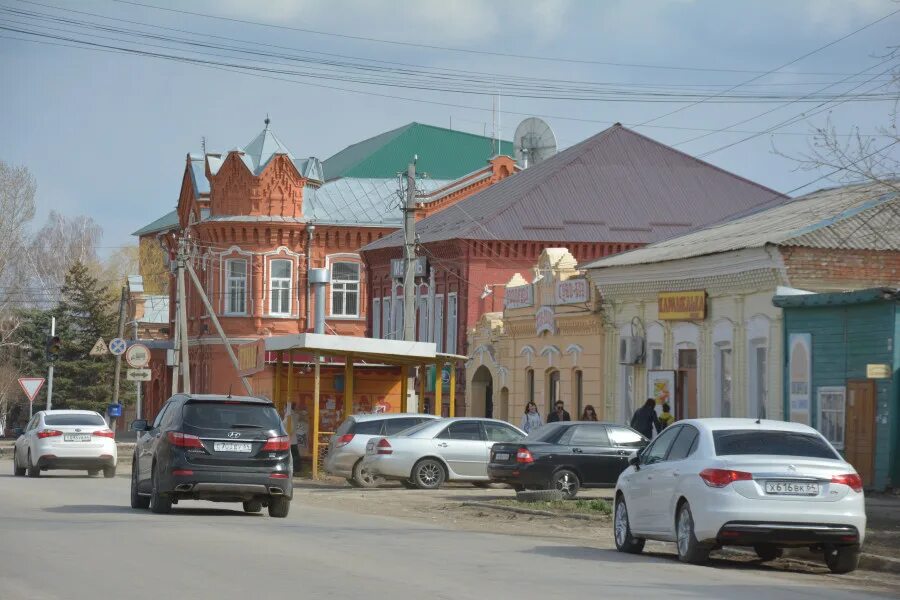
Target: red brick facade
{"type": "Point", "coordinates": [824, 269]}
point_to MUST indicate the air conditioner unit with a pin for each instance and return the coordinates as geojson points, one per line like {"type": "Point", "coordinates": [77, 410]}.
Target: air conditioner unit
{"type": "Point", "coordinates": [631, 350]}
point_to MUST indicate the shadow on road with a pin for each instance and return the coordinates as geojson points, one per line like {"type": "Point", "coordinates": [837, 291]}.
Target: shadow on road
{"type": "Point", "coordinates": [99, 509]}
{"type": "Point", "coordinates": [591, 554]}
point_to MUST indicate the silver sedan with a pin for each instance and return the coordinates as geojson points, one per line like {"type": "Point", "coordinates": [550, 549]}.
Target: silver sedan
{"type": "Point", "coordinates": [429, 454]}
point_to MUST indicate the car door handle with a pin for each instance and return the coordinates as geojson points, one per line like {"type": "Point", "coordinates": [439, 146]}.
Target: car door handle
{"type": "Point", "coordinates": [442, 445]}
{"type": "Point", "coordinates": [623, 453]}
{"type": "Point", "coordinates": [576, 450]}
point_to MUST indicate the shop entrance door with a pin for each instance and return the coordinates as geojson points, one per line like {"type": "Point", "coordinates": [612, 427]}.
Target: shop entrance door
{"type": "Point", "coordinates": [859, 437]}
{"type": "Point", "coordinates": [686, 385]}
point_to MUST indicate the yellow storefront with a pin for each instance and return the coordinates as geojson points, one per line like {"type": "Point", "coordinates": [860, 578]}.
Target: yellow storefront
{"type": "Point", "coordinates": [546, 345]}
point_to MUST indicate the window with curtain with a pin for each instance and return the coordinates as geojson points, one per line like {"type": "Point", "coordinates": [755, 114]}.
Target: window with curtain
{"type": "Point", "coordinates": [832, 407]}
{"type": "Point", "coordinates": [236, 287]}
{"type": "Point", "coordinates": [280, 287]}
{"type": "Point", "coordinates": [345, 289]}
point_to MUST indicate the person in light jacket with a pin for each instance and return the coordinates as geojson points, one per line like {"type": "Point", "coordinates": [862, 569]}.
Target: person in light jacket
{"type": "Point", "coordinates": [531, 420]}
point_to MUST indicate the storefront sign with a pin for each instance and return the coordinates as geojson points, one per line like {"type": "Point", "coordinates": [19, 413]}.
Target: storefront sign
{"type": "Point", "coordinates": [682, 306]}
{"type": "Point", "coordinates": [519, 296]}
{"type": "Point", "coordinates": [878, 371]}
{"type": "Point", "coordinates": [397, 267]}
{"type": "Point", "coordinates": [573, 291]}
{"type": "Point", "coordinates": [800, 374]}
{"type": "Point", "coordinates": [545, 320]}
{"type": "Point", "coordinates": [251, 357]}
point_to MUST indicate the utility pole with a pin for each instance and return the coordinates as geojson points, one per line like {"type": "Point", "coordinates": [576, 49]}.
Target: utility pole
{"type": "Point", "coordinates": [409, 274]}
{"type": "Point", "coordinates": [137, 384]}
{"type": "Point", "coordinates": [185, 357]}
{"type": "Point", "coordinates": [50, 368]}
{"type": "Point", "coordinates": [121, 334]}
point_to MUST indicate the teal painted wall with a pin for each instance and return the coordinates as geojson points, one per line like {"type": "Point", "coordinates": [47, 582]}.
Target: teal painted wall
{"type": "Point", "coordinates": [844, 340]}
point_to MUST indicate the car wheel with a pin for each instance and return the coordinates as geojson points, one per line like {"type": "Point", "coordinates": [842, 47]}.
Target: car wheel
{"type": "Point", "coordinates": [517, 487]}
{"type": "Point", "coordinates": [625, 542]}
{"type": "Point", "coordinates": [93, 472]}
{"type": "Point", "coordinates": [767, 552]}
{"type": "Point", "coordinates": [565, 481]}
{"type": "Point", "coordinates": [428, 474]}
{"type": "Point", "coordinates": [33, 471]}
{"type": "Point", "coordinates": [842, 559]}
{"type": "Point", "coordinates": [17, 470]}
{"type": "Point", "coordinates": [109, 472]}
{"type": "Point", "coordinates": [137, 501]}
{"type": "Point", "coordinates": [160, 503]}
{"type": "Point", "coordinates": [363, 477]}
{"type": "Point", "coordinates": [252, 506]}
{"type": "Point", "coordinates": [279, 507]}
{"type": "Point", "coordinates": [689, 549]}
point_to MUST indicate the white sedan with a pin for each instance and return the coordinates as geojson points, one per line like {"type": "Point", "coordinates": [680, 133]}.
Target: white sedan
{"type": "Point", "coordinates": [65, 439]}
{"type": "Point", "coordinates": [707, 483]}
{"type": "Point", "coordinates": [427, 455]}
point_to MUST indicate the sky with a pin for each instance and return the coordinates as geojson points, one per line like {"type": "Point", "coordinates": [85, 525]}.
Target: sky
{"type": "Point", "coordinates": [106, 133]}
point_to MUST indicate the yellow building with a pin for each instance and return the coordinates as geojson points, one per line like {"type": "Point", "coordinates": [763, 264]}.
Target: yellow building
{"type": "Point", "coordinates": [546, 345]}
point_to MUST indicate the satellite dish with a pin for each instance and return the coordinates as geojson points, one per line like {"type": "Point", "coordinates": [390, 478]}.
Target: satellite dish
{"type": "Point", "coordinates": [534, 142]}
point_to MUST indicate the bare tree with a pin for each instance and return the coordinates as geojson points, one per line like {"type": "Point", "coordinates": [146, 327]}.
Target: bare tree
{"type": "Point", "coordinates": [17, 190]}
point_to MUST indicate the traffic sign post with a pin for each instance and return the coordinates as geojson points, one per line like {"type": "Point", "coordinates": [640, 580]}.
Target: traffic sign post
{"type": "Point", "coordinates": [31, 386]}
{"type": "Point", "coordinates": [137, 374]}
{"type": "Point", "coordinates": [138, 356]}
{"type": "Point", "coordinates": [117, 346]}
{"type": "Point", "coordinates": [99, 348]}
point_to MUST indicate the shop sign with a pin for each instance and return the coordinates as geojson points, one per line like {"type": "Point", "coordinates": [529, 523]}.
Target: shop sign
{"type": "Point", "coordinates": [878, 371]}
{"type": "Point", "coordinates": [573, 291]}
{"type": "Point", "coordinates": [682, 306]}
{"type": "Point", "coordinates": [251, 357]}
{"type": "Point", "coordinates": [519, 296]}
{"type": "Point", "coordinates": [421, 266]}
{"type": "Point", "coordinates": [545, 320]}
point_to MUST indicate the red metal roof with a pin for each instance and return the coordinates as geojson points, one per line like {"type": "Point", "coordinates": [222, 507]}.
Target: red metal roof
{"type": "Point", "coordinates": [617, 186]}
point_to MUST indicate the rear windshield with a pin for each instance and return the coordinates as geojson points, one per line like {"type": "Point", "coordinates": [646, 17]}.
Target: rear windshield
{"type": "Point", "coordinates": [368, 427]}
{"type": "Point", "coordinates": [218, 415]}
{"type": "Point", "coordinates": [547, 433]}
{"type": "Point", "coordinates": [74, 419]}
{"type": "Point", "coordinates": [778, 443]}
{"type": "Point", "coordinates": [415, 428]}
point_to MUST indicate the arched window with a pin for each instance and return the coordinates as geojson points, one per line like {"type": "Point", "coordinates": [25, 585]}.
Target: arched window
{"type": "Point", "coordinates": [529, 385]}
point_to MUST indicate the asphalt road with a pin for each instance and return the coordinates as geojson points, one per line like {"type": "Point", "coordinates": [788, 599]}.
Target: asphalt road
{"type": "Point", "coordinates": [71, 537]}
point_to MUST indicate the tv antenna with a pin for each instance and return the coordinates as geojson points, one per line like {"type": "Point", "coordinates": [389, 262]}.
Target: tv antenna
{"type": "Point", "coordinates": [534, 142]}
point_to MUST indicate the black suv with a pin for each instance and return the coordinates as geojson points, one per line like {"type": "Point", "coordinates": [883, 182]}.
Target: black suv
{"type": "Point", "coordinates": [219, 448]}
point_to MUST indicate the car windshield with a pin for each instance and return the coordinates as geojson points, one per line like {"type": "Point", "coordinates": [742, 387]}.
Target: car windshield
{"type": "Point", "coordinates": [74, 419]}
{"type": "Point", "coordinates": [219, 415]}
{"type": "Point", "coordinates": [779, 443]}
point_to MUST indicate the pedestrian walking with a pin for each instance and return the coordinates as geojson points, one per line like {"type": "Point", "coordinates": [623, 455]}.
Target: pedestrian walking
{"type": "Point", "coordinates": [645, 419]}
{"type": "Point", "coordinates": [666, 418]}
{"type": "Point", "coordinates": [531, 420]}
{"type": "Point", "coordinates": [589, 414]}
{"type": "Point", "coordinates": [560, 414]}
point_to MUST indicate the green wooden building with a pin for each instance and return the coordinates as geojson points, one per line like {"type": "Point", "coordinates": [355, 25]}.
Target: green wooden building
{"type": "Point", "coordinates": [842, 375]}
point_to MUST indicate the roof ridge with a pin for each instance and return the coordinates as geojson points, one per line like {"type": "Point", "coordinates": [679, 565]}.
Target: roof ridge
{"type": "Point", "coordinates": [397, 130]}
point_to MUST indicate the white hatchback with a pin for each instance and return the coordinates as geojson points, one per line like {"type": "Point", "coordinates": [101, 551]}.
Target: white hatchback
{"type": "Point", "coordinates": [65, 439]}
{"type": "Point", "coordinates": [708, 483]}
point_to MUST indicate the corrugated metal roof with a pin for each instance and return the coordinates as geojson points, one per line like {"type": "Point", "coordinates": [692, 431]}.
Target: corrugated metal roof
{"type": "Point", "coordinates": [826, 218]}
{"type": "Point", "coordinates": [617, 186]}
{"type": "Point", "coordinates": [357, 201]}
{"type": "Point", "coordinates": [443, 153]}
{"type": "Point", "coordinates": [164, 223]}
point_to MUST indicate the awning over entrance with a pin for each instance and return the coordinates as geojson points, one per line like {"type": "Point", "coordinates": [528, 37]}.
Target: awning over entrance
{"type": "Point", "coordinates": [352, 349]}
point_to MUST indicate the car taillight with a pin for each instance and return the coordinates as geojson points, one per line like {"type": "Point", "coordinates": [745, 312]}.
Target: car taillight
{"type": "Point", "coordinates": [45, 433]}
{"type": "Point", "coordinates": [523, 455]}
{"type": "Point", "coordinates": [278, 476]}
{"type": "Point", "coordinates": [851, 480]}
{"type": "Point", "coordinates": [383, 447]}
{"type": "Point", "coordinates": [182, 472]}
{"type": "Point", "coordinates": [184, 440]}
{"type": "Point", "coordinates": [277, 444]}
{"type": "Point", "coordinates": [720, 478]}
{"type": "Point", "coordinates": [344, 440]}
{"type": "Point", "coordinates": [104, 433]}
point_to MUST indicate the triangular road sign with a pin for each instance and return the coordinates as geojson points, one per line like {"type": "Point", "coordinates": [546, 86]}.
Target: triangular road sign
{"type": "Point", "coordinates": [31, 386]}
{"type": "Point", "coordinates": [99, 348]}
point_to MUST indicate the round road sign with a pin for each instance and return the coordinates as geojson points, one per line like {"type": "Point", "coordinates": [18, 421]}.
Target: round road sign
{"type": "Point", "coordinates": [117, 346]}
{"type": "Point", "coordinates": [138, 356]}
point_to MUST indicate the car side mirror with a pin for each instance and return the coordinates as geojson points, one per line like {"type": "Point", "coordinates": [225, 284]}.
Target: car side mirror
{"type": "Point", "coordinates": [139, 425]}
{"type": "Point", "coordinates": [635, 461]}
{"type": "Point", "coordinates": [19, 432]}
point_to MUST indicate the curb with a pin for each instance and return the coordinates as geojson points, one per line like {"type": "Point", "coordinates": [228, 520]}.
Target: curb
{"type": "Point", "coordinates": [540, 513]}
{"type": "Point", "coordinates": [867, 562]}
{"type": "Point", "coordinates": [876, 562]}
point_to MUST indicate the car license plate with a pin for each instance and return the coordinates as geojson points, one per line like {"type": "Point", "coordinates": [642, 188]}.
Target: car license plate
{"type": "Point", "coordinates": [792, 488]}
{"type": "Point", "coordinates": [76, 437]}
{"type": "Point", "coordinates": [231, 447]}
{"type": "Point", "coordinates": [501, 456]}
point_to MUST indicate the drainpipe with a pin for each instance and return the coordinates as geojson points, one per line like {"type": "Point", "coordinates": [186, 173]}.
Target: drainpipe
{"type": "Point", "coordinates": [320, 279]}
{"type": "Point", "coordinates": [310, 231]}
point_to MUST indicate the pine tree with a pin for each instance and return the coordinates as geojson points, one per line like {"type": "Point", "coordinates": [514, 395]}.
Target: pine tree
{"type": "Point", "coordinates": [85, 313]}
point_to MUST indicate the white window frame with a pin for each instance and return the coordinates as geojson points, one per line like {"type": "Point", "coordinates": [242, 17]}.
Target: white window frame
{"type": "Point", "coordinates": [376, 317]}
{"type": "Point", "coordinates": [759, 398]}
{"type": "Point", "coordinates": [229, 308]}
{"type": "Point", "coordinates": [452, 321]}
{"type": "Point", "coordinates": [386, 314]}
{"type": "Point", "coordinates": [439, 323]}
{"type": "Point", "coordinates": [341, 287]}
{"type": "Point", "coordinates": [838, 393]}
{"type": "Point", "coordinates": [723, 349]}
{"type": "Point", "coordinates": [281, 281]}
{"type": "Point", "coordinates": [423, 322]}
{"type": "Point", "coordinates": [397, 319]}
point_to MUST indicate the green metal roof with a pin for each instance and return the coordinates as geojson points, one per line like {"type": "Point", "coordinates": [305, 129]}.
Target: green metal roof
{"type": "Point", "coordinates": [838, 298]}
{"type": "Point", "coordinates": [164, 223]}
{"type": "Point", "coordinates": [443, 153]}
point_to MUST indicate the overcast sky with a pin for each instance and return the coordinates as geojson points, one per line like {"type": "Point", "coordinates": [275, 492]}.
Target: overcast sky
{"type": "Point", "coordinates": [106, 134]}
